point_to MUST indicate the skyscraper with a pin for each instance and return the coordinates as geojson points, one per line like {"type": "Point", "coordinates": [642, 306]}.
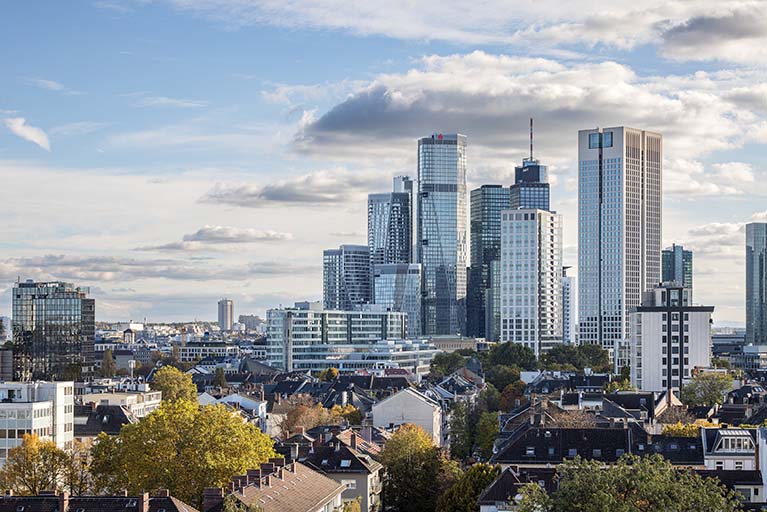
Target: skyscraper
{"type": "Point", "coordinates": [677, 266]}
{"type": "Point", "coordinates": [442, 232]}
{"type": "Point", "coordinates": [225, 314]}
{"type": "Point", "coordinates": [487, 202]}
{"type": "Point", "coordinates": [531, 183]}
{"type": "Point", "coordinates": [619, 228]}
{"type": "Point", "coordinates": [53, 331]}
{"type": "Point", "coordinates": [398, 288]}
{"type": "Point", "coordinates": [756, 283]}
{"type": "Point", "coordinates": [569, 308]}
{"type": "Point", "coordinates": [531, 278]}
{"type": "Point", "coordinates": [346, 277]}
{"type": "Point", "coordinates": [390, 238]}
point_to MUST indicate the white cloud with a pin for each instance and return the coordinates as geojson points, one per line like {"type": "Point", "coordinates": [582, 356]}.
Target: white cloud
{"type": "Point", "coordinates": [18, 126]}
{"type": "Point", "coordinates": [50, 85]}
{"type": "Point", "coordinates": [208, 236]}
{"type": "Point", "coordinates": [78, 128]}
{"type": "Point", "coordinates": [164, 101]}
{"type": "Point", "coordinates": [690, 179]}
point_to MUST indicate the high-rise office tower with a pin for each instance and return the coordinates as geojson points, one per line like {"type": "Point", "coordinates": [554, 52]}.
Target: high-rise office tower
{"type": "Point", "coordinates": [531, 183]}
{"type": "Point", "coordinates": [225, 314]}
{"type": "Point", "coordinates": [487, 202]}
{"type": "Point", "coordinates": [676, 266]}
{"type": "Point", "coordinates": [397, 287]}
{"type": "Point", "coordinates": [569, 308]}
{"type": "Point", "coordinates": [53, 331]}
{"type": "Point", "coordinates": [756, 283]}
{"type": "Point", "coordinates": [619, 229]}
{"type": "Point", "coordinates": [390, 238]}
{"type": "Point", "coordinates": [442, 232]}
{"type": "Point", "coordinates": [346, 277]}
{"type": "Point", "coordinates": [531, 278]}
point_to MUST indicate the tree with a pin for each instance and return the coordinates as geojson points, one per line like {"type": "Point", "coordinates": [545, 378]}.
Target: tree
{"type": "Point", "coordinates": [676, 414]}
{"type": "Point", "coordinates": [234, 504]}
{"type": "Point", "coordinates": [174, 384]}
{"type": "Point", "coordinates": [634, 484]}
{"type": "Point", "coordinates": [501, 375]}
{"type": "Point", "coordinates": [180, 447]}
{"type": "Point", "coordinates": [706, 390]}
{"type": "Point", "coordinates": [352, 506]}
{"type": "Point", "coordinates": [487, 431]}
{"type": "Point", "coordinates": [513, 354]}
{"type": "Point", "coordinates": [562, 355]}
{"type": "Point", "coordinates": [329, 374]}
{"type": "Point", "coordinates": [572, 419]}
{"type": "Point", "coordinates": [463, 495]}
{"type": "Point", "coordinates": [681, 430]}
{"type": "Point", "coordinates": [715, 362]}
{"type": "Point", "coordinates": [445, 363]}
{"type": "Point", "coordinates": [219, 379]}
{"type": "Point", "coordinates": [33, 466]}
{"type": "Point", "coordinates": [416, 472]}
{"type": "Point", "coordinates": [77, 478]}
{"type": "Point", "coordinates": [460, 431]}
{"type": "Point", "coordinates": [511, 393]}
{"type": "Point", "coordinates": [596, 358]}
{"type": "Point", "coordinates": [108, 366]}
{"type": "Point", "coordinates": [619, 385]}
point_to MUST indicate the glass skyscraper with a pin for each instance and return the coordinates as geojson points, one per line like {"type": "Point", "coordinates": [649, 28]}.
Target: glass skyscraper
{"type": "Point", "coordinates": [53, 331]}
{"type": "Point", "coordinates": [531, 187]}
{"type": "Point", "coordinates": [346, 277]}
{"type": "Point", "coordinates": [442, 232]}
{"type": "Point", "coordinates": [677, 266]}
{"type": "Point", "coordinates": [390, 238]}
{"type": "Point", "coordinates": [398, 288]}
{"type": "Point", "coordinates": [619, 229]}
{"type": "Point", "coordinates": [487, 202]}
{"type": "Point", "coordinates": [756, 283]}
{"type": "Point", "coordinates": [225, 314]}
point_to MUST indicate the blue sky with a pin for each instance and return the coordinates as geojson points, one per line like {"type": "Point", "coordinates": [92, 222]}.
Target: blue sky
{"type": "Point", "coordinates": [170, 152]}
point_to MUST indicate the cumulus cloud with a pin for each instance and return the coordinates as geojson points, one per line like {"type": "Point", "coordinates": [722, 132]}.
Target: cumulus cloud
{"type": "Point", "coordinates": [315, 188]}
{"type": "Point", "coordinates": [208, 236]}
{"type": "Point", "coordinates": [18, 126]}
{"type": "Point", "coordinates": [691, 179]}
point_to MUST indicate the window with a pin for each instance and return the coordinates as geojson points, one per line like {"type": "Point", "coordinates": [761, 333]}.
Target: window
{"type": "Point", "coordinates": [530, 451]}
{"type": "Point", "coordinates": [572, 452]}
{"type": "Point", "coordinates": [350, 484]}
{"type": "Point", "coordinates": [596, 452]}
{"type": "Point", "coordinates": [551, 451]}
{"type": "Point", "coordinates": [738, 464]}
{"type": "Point", "coordinates": [719, 464]}
{"type": "Point", "coordinates": [346, 463]}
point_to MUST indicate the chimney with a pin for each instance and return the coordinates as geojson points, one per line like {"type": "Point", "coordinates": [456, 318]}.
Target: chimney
{"type": "Point", "coordinates": [212, 497]}
{"type": "Point", "coordinates": [367, 433]}
{"type": "Point", "coordinates": [337, 446]}
{"type": "Point", "coordinates": [254, 475]}
{"type": "Point", "coordinates": [277, 461]}
{"type": "Point", "coordinates": [9, 492]}
{"type": "Point", "coordinates": [294, 451]}
{"type": "Point", "coordinates": [163, 493]}
{"type": "Point", "coordinates": [354, 441]}
{"type": "Point", "coordinates": [299, 431]}
{"type": "Point", "coordinates": [143, 502]}
{"type": "Point", "coordinates": [64, 502]}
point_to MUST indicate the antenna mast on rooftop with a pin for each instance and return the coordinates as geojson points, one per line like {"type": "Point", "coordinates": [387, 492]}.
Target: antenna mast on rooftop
{"type": "Point", "coordinates": [531, 138]}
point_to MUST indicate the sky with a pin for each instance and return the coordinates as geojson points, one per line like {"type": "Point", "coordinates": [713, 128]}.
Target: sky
{"type": "Point", "coordinates": [167, 153]}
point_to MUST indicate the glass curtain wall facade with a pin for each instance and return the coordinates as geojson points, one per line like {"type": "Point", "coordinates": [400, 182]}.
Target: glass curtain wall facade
{"type": "Point", "coordinates": [531, 278]}
{"type": "Point", "coordinates": [487, 202]}
{"type": "Point", "coordinates": [442, 237]}
{"type": "Point", "coordinates": [531, 187]}
{"type": "Point", "coordinates": [398, 288]}
{"type": "Point", "coordinates": [390, 237]}
{"type": "Point", "coordinates": [756, 283]}
{"type": "Point", "coordinates": [53, 331]}
{"type": "Point", "coordinates": [225, 314]}
{"type": "Point", "coordinates": [346, 277]}
{"type": "Point", "coordinates": [619, 229]}
{"type": "Point", "coordinates": [677, 266]}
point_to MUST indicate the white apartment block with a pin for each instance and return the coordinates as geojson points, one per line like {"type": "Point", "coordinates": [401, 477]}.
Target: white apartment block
{"type": "Point", "coordinates": [410, 406]}
{"type": "Point", "coordinates": [42, 408]}
{"type": "Point", "coordinates": [531, 278]}
{"type": "Point", "coordinates": [669, 338]}
{"type": "Point", "coordinates": [196, 350]}
{"type": "Point", "coordinates": [138, 403]}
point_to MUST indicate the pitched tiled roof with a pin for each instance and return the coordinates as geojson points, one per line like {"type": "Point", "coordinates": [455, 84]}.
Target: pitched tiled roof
{"type": "Point", "coordinates": [52, 503]}
{"type": "Point", "coordinates": [104, 418]}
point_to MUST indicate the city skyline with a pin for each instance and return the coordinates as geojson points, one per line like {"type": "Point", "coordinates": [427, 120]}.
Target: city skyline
{"type": "Point", "coordinates": [165, 169]}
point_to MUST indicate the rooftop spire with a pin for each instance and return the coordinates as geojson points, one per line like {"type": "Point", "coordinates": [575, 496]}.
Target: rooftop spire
{"type": "Point", "coordinates": [531, 138]}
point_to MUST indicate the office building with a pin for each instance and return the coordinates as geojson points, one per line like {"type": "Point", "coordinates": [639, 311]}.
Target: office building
{"type": "Point", "coordinates": [619, 230]}
{"type": "Point", "coordinates": [441, 220]}
{"type": "Point", "coordinates": [487, 202]}
{"type": "Point", "coordinates": [397, 287]}
{"type": "Point", "coordinates": [53, 331]}
{"type": "Point", "coordinates": [531, 278]}
{"type": "Point", "coordinates": [42, 408]}
{"type": "Point", "coordinates": [531, 183]}
{"type": "Point", "coordinates": [390, 238]}
{"type": "Point", "coordinates": [569, 308]}
{"type": "Point", "coordinates": [493, 303]}
{"type": "Point", "coordinates": [676, 264]}
{"type": "Point", "coordinates": [756, 283]}
{"type": "Point", "coordinates": [225, 314]}
{"type": "Point", "coordinates": [307, 337]}
{"type": "Point", "coordinates": [346, 277]}
{"type": "Point", "coordinates": [669, 338]}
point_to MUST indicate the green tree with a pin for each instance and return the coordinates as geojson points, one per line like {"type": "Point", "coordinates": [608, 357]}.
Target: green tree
{"type": "Point", "coordinates": [445, 363]}
{"type": "Point", "coordinates": [174, 384]}
{"type": "Point", "coordinates": [463, 495]}
{"type": "Point", "coordinates": [108, 366]}
{"type": "Point", "coordinates": [619, 385]}
{"type": "Point", "coordinates": [513, 354]}
{"type": "Point", "coordinates": [76, 475]}
{"type": "Point", "coordinates": [634, 484]}
{"type": "Point", "coordinates": [180, 447]}
{"type": "Point", "coordinates": [416, 472]}
{"type": "Point", "coordinates": [460, 431]}
{"type": "Point", "coordinates": [563, 355]}
{"type": "Point", "coordinates": [501, 375]}
{"type": "Point", "coordinates": [329, 374]}
{"type": "Point", "coordinates": [595, 357]}
{"type": "Point", "coordinates": [720, 363]}
{"type": "Point", "coordinates": [234, 504]}
{"type": "Point", "coordinates": [706, 389]}
{"type": "Point", "coordinates": [34, 466]}
{"type": "Point", "coordinates": [352, 506]}
{"type": "Point", "coordinates": [219, 379]}
{"type": "Point", "coordinates": [487, 431]}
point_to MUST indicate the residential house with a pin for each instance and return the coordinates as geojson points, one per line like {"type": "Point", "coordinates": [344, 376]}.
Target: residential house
{"type": "Point", "coordinates": [729, 448]}
{"type": "Point", "coordinates": [162, 501]}
{"type": "Point", "coordinates": [411, 406]}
